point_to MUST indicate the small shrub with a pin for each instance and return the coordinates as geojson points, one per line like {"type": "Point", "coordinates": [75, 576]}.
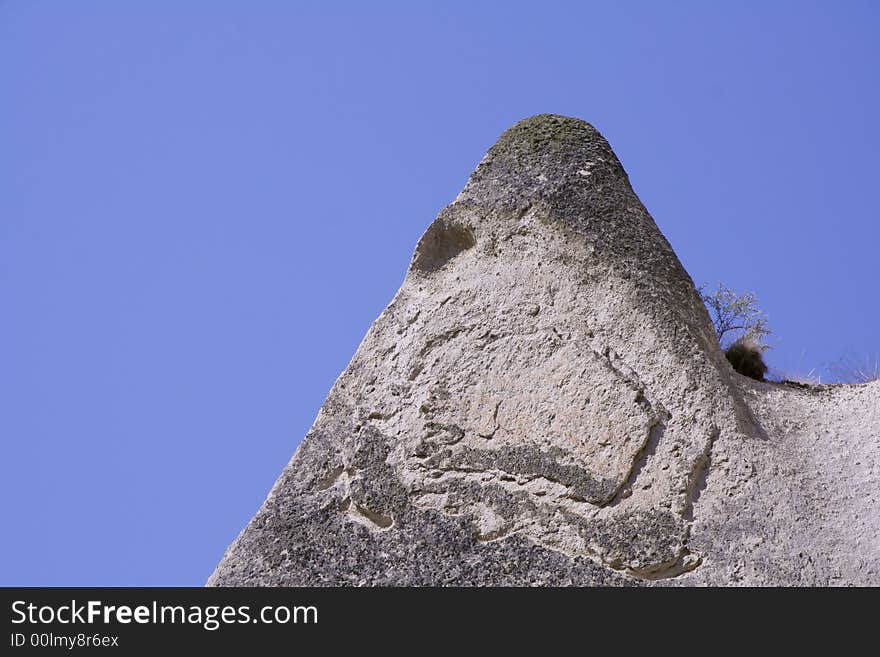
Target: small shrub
{"type": "Point", "coordinates": [735, 316]}
{"type": "Point", "coordinates": [747, 357]}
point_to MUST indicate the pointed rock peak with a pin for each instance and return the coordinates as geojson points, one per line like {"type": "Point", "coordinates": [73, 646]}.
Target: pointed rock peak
{"type": "Point", "coordinates": [545, 390]}
{"type": "Point", "coordinates": [543, 135]}
{"type": "Point", "coordinates": [549, 158]}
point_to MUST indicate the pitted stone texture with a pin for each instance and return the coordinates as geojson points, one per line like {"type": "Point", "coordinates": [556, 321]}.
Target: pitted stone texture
{"type": "Point", "coordinates": [539, 404]}
{"type": "Point", "coordinates": [800, 505]}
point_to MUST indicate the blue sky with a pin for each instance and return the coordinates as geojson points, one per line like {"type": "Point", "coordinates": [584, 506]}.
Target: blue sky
{"type": "Point", "coordinates": [204, 205]}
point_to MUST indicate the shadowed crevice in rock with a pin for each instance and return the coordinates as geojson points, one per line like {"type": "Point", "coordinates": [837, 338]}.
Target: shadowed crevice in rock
{"type": "Point", "coordinates": [655, 435]}
{"type": "Point", "coordinates": [524, 461]}
{"type": "Point", "coordinates": [442, 242]}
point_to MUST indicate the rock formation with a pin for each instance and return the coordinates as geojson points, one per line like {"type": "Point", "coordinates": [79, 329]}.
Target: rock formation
{"type": "Point", "coordinates": [544, 402]}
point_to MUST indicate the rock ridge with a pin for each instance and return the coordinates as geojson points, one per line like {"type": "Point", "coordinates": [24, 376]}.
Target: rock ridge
{"type": "Point", "coordinates": [544, 402]}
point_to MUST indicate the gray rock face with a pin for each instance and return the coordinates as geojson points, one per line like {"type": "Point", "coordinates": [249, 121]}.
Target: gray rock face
{"type": "Point", "coordinates": [544, 402]}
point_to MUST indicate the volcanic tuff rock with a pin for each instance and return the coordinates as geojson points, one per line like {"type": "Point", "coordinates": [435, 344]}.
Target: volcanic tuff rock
{"type": "Point", "coordinates": [544, 402]}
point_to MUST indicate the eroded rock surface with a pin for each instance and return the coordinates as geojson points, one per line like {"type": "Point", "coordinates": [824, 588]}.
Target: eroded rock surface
{"type": "Point", "coordinates": [544, 402]}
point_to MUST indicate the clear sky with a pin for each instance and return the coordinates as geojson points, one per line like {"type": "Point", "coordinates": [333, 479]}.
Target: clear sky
{"type": "Point", "coordinates": [204, 205]}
